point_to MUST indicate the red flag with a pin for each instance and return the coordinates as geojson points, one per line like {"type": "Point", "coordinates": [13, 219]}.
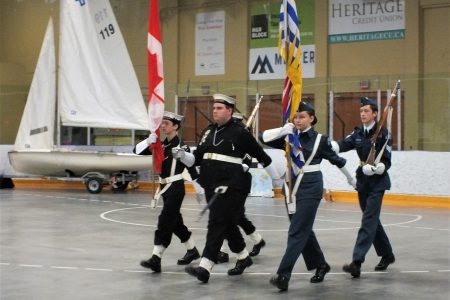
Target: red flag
{"type": "Point", "coordinates": [155, 82]}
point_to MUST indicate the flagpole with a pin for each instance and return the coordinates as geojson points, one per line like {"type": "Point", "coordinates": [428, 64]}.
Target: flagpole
{"type": "Point", "coordinates": [155, 87]}
{"type": "Point", "coordinates": [288, 146]}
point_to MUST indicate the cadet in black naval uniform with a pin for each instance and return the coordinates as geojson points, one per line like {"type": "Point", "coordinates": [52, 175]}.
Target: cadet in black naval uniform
{"type": "Point", "coordinates": [219, 154]}
{"type": "Point", "coordinates": [372, 182]}
{"type": "Point", "coordinates": [301, 237]}
{"type": "Point", "coordinates": [246, 225]}
{"type": "Point", "coordinates": [172, 192]}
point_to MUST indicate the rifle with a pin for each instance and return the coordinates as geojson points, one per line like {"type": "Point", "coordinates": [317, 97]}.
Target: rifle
{"type": "Point", "coordinates": [217, 192]}
{"type": "Point", "coordinates": [371, 158]}
{"type": "Point", "coordinates": [250, 119]}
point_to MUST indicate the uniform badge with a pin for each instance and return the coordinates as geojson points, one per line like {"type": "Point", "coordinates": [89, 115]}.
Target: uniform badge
{"type": "Point", "coordinates": [204, 137]}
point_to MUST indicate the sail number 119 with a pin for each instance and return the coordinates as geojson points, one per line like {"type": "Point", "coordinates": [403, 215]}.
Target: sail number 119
{"type": "Point", "coordinates": [107, 31]}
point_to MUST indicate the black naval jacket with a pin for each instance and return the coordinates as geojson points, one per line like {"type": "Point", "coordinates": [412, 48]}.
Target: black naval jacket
{"type": "Point", "coordinates": [167, 162]}
{"type": "Point", "coordinates": [307, 140]}
{"type": "Point", "coordinates": [233, 140]}
{"type": "Point", "coordinates": [362, 143]}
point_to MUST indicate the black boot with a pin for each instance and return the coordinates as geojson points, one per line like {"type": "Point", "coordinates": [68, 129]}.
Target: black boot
{"type": "Point", "coordinates": [241, 265]}
{"type": "Point", "coordinates": [320, 273]}
{"type": "Point", "coordinates": [385, 262]}
{"type": "Point", "coordinates": [354, 269]}
{"type": "Point", "coordinates": [222, 257]}
{"type": "Point", "coordinates": [189, 257]}
{"type": "Point", "coordinates": [257, 248]}
{"type": "Point", "coordinates": [201, 273]}
{"type": "Point", "coordinates": [280, 281]}
{"type": "Point", "coordinates": [153, 263]}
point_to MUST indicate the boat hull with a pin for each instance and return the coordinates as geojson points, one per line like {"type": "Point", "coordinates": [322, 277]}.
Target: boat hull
{"type": "Point", "coordinates": [76, 163]}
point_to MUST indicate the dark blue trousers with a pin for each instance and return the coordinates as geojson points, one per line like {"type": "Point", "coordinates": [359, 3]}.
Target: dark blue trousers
{"type": "Point", "coordinates": [301, 237]}
{"type": "Point", "coordinates": [371, 230]}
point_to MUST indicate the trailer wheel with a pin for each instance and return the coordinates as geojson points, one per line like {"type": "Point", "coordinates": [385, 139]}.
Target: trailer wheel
{"type": "Point", "coordinates": [94, 185]}
{"type": "Point", "coordinates": [120, 186]}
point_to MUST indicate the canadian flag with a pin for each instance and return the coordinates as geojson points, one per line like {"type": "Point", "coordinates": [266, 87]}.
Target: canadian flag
{"type": "Point", "coordinates": [155, 82]}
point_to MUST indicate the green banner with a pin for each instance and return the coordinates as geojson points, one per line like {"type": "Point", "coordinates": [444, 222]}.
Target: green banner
{"type": "Point", "coordinates": [265, 19]}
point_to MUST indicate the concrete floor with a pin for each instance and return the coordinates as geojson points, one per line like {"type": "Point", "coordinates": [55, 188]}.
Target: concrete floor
{"type": "Point", "coordinates": [74, 245]}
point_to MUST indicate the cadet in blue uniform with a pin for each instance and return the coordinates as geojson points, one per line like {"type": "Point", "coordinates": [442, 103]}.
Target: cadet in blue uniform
{"type": "Point", "coordinates": [301, 237]}
{"type": "Point", "coordinates": [372, 181]}
{"type": "Point", "coordinates": [220, 154]}
{"type": "Point", "coordinates": [246, 225]}
{"type": "Point", "coordinates": [171, 189]}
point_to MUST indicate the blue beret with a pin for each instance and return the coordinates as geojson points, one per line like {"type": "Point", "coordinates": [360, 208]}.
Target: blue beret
{"type": "Point", "coordinates": [305, 106]}
{"type": "Point", "coordinates": [367, 101]}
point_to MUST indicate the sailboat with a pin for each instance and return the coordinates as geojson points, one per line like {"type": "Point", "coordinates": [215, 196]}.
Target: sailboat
{"type": "Point", "coordinates": [97, 87]}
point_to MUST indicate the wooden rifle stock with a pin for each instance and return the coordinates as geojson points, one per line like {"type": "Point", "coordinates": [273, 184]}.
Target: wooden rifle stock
{"type": "Point", "coordinates": [253, 114]}
{"type": "Point", "coordinates": [371, 158]}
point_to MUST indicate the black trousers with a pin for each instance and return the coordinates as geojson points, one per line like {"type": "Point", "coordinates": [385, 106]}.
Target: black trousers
{"type": "Point", "coordinates": [246, 224]}
{"type": "Point", "coordinates": [371, 230]}
{"type": "Point", "coordinates": [170, 221]}
{"type": "Point", "coordinates": [224, 215]}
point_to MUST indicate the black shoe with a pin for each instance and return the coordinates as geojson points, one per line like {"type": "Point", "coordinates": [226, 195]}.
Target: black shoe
{"type": "Point", "coordinates": [320, 273]}
{"type": "Point", "coordinates": [189, 257]}
{"type": "Point", "coordinates": [280, 281]}
{"type": "Point", "coordinates": [153, 263]}
{"type": "Point", "coordinates": [354, 269]}
{"type": "Point", "coordinates": [241, 265]}
{"type": "Point", "coordinates": [257, 248]}
{"type": "Point", "coordinates": [201, 273]}
{"type": "Point", "coordinates": [385, 262]}
{"type": "Point", "coordinates": [222, 257]}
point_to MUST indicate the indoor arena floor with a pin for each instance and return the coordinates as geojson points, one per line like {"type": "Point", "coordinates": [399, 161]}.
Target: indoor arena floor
{"type": "Point", "coordinates": [75, 245]}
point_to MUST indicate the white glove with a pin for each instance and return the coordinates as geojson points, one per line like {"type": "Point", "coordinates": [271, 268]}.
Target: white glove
{"type": "Point", "coordinates": [350, 179]}
{"type": "Point", "coordinates": [185, 157]}
{"type": "Point", "coordinates": [368, 170]}
{"type": "Point", "coordinates": [352, 182]}
{"type": "Point", "coordinates": [379, 168]}
{"type": "Point", "coordinates": [199, 191]}
{"type": "Point", "coordinates": [178, 153]}
{"type": "Point", "coordinates": [276, 133]}
{"type": "Point", "coordinates": [335, 147]}
{"type": "Point", "coordinates": [152, 138]}
{"type": "Point", "coordinates": [245, 167]}
{"type": "Point", "coordinates": [287, 128]}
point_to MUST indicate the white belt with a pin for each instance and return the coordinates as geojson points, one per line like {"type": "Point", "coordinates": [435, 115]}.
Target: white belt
{"type": "Point", "coordinates": [221, 157]}
{"type": "Point", "coordinates": [310, 168]}
{"type": "Point", "coordinates": [171, 179]}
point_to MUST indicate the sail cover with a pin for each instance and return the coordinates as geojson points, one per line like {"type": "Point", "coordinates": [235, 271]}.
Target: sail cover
{"type": "Point", "coordinates": [37, 124]}
{"type": "Point", "coordinates": [97, 83]}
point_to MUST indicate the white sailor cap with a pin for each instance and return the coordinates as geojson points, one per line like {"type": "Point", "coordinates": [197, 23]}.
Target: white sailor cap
{"type": "Point", "coordinates": [237, 116]}
{"type": "Point", "coordinates": [172, 117]}
{"type": "Point", "coordinates": [221, 98]}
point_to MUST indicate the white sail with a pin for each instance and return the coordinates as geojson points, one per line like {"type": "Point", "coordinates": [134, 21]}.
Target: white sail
{"type": "Point", "coordinates": [97, 83]}
{"type": "Point", "coordinates": [37, 124]}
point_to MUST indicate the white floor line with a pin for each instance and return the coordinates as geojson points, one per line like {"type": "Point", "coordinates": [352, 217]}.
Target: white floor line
{"type": "Point", "coordinates": [424, 271]}
{"type": "Point", "coordinates": [64, 268]}
{"type": "Point", "coordinates": [30, 266]}
{"type": "Point", "coordinates": [137, 271]}
{"type": "Point", "coordinates": [215, 273]}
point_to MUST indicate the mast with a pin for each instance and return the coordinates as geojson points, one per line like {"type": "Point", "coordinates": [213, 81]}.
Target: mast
{"type": "Point", "coordinates": [58, 72]}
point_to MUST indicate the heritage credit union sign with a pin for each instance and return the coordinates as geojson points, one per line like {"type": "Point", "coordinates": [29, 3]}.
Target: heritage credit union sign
{"type": "Point", "coordinates": [365, 20]}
